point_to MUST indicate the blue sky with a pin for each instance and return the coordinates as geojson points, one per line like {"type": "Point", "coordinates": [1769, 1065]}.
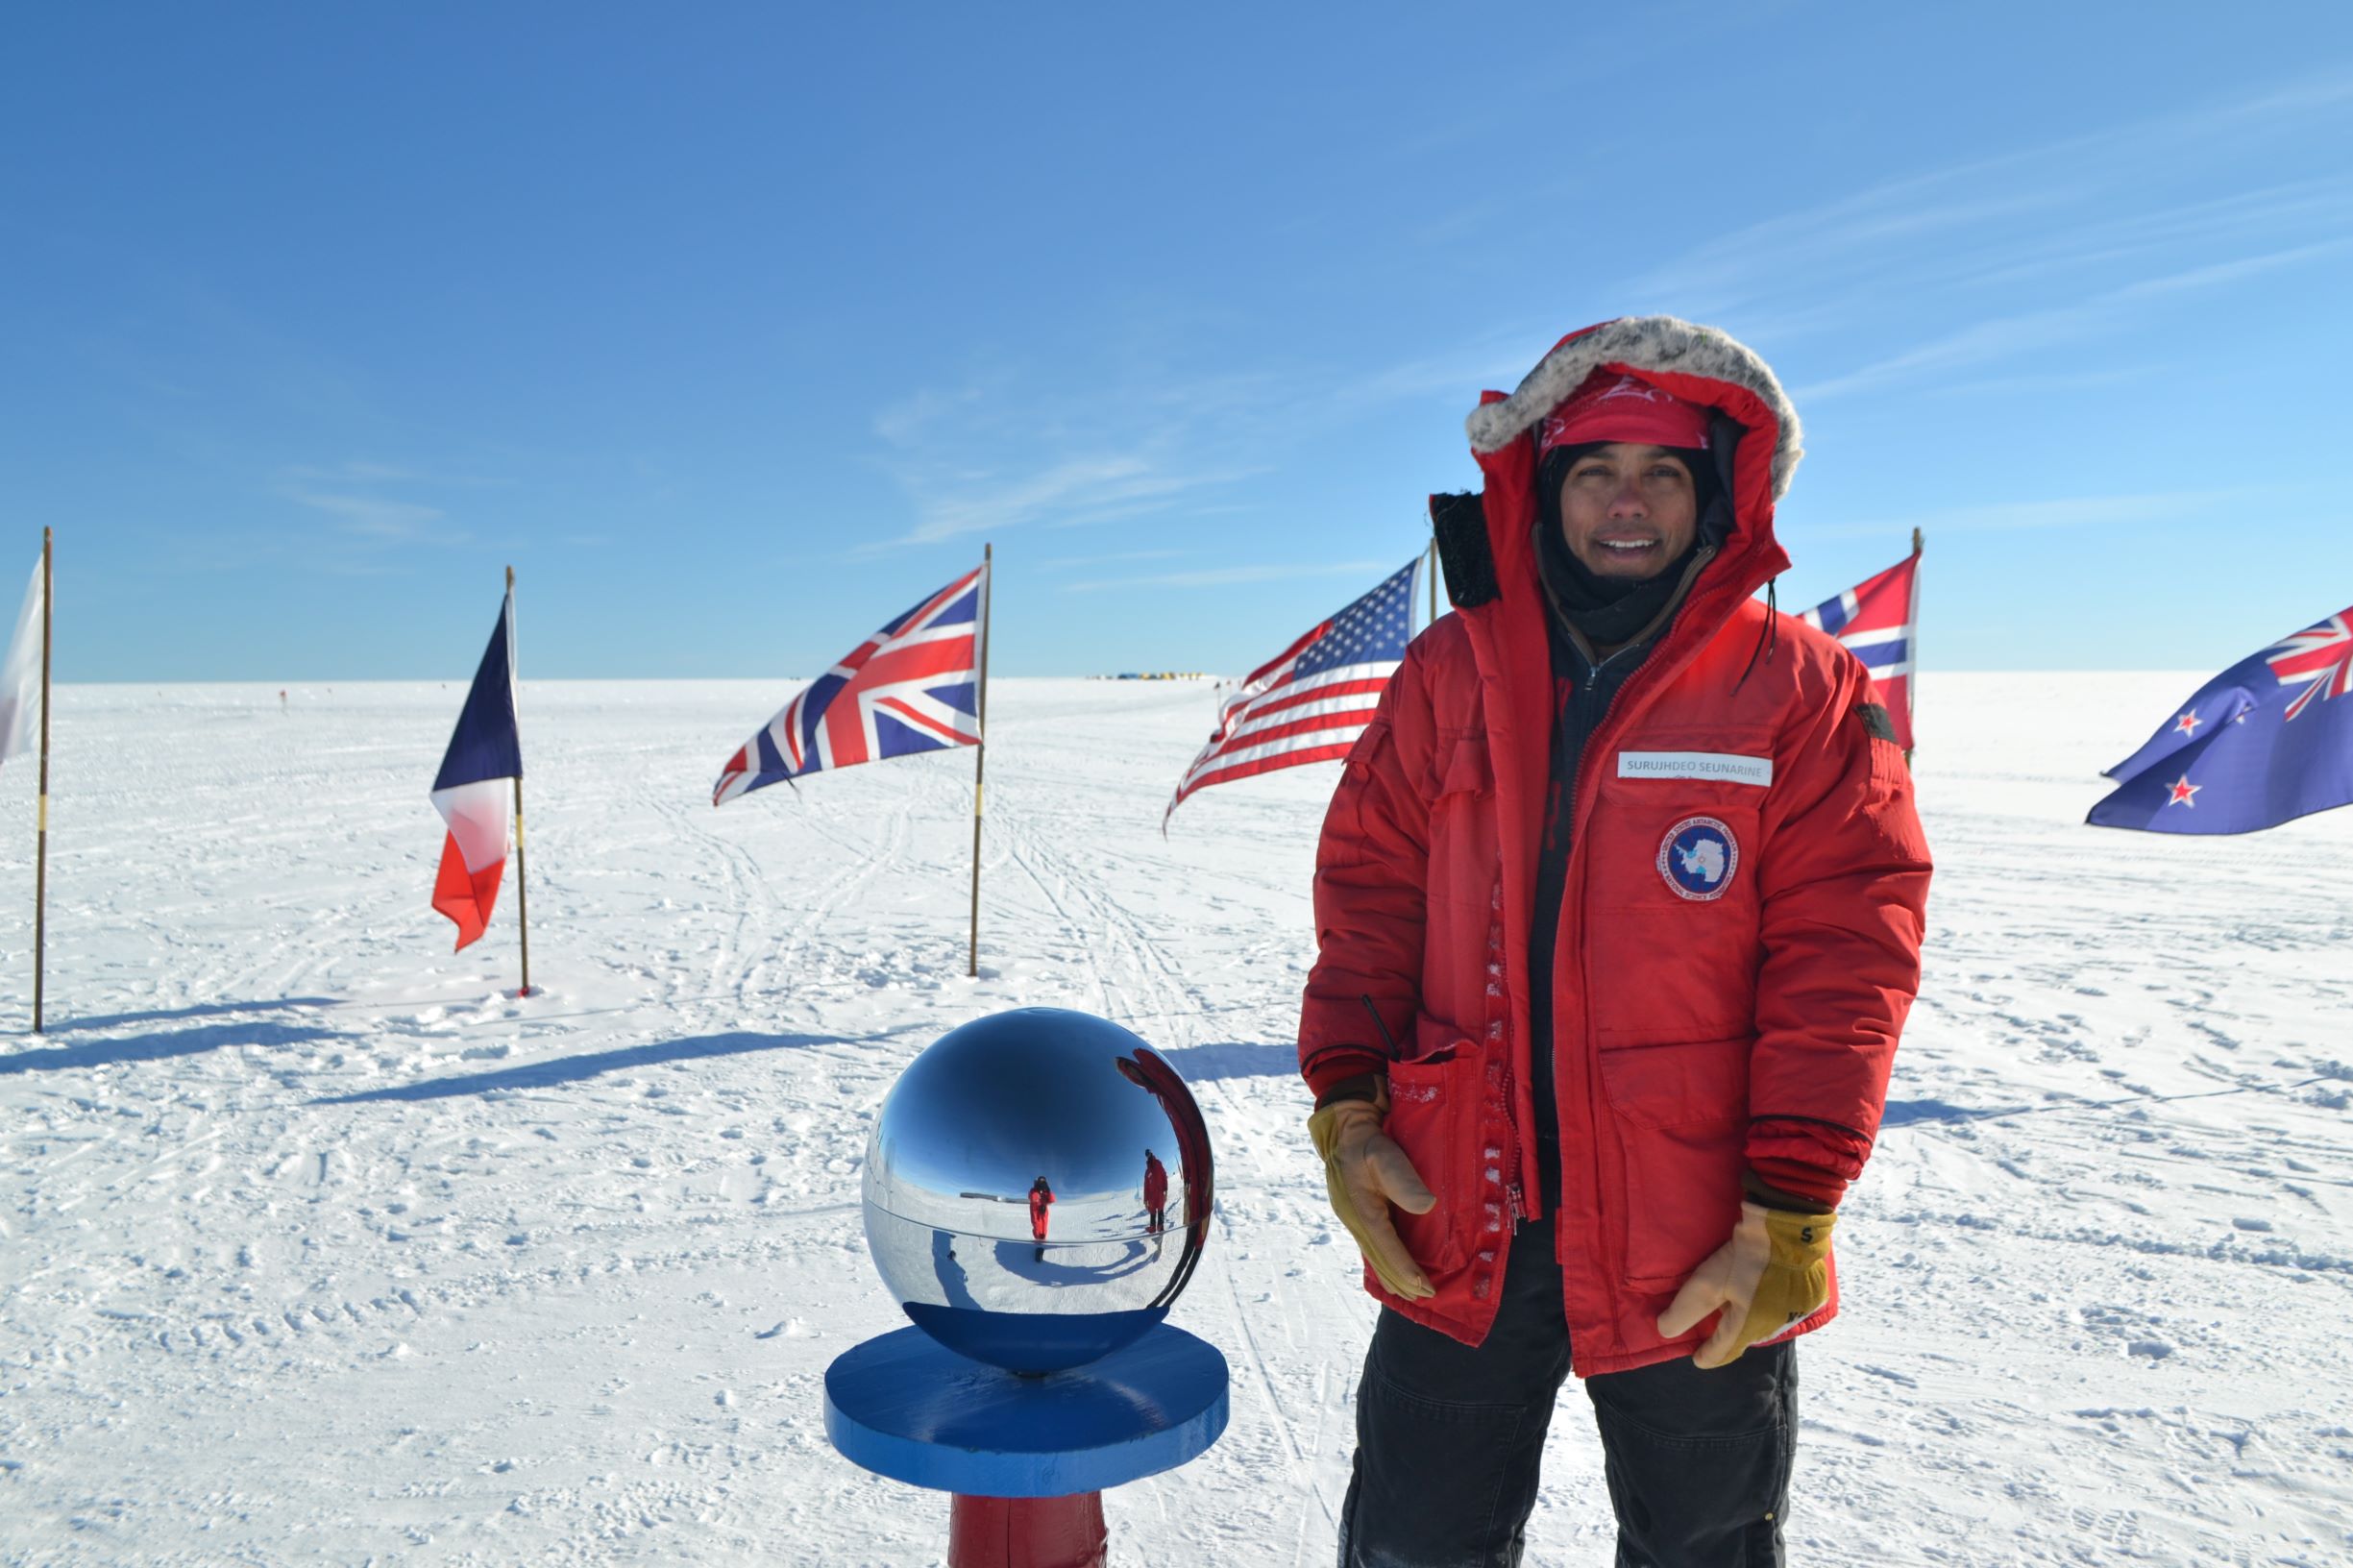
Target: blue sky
{"type": "Point", "coordinates": [736, 329]}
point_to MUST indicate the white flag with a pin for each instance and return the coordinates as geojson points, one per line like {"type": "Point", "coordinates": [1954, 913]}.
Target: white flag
{"type": "Point", "coordinates": [20, 677]}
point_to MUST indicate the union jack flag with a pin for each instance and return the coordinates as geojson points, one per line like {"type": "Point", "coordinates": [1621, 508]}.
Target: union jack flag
{"type": "Point", "coordinates": [1875, 619]}
{"type": "Point", "coordinates": [913, 686]}
{"type": "Point", "coordinates": [2263, 742]}
{"type": "Point", "coordinates": [2318, 658]}
{"type": "Point", "coordinates": [1312, 700]}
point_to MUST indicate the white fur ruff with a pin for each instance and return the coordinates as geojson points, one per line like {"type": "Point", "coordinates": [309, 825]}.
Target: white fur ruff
{"type": "Point", "coordinates": [1642, 343]}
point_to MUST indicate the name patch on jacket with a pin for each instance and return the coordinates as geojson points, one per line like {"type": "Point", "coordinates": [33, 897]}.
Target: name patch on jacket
{"type": "Point", "coordinates": [1698, 857]}
{"type": "Point", "coordinates": [1723, 766]}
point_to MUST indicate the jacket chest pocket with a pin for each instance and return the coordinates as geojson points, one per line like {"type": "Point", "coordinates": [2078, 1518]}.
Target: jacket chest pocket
{"type": "Point", "coordinates": [1675, 822]}
{"type": "Point", "coordinates": [1674, 851]}
{"type": "Point", "coordinates": [1673, 912]}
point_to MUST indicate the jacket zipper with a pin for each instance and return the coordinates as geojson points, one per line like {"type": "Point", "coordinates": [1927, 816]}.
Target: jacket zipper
{"type": "Point", "coordinates": [1576, 794]}
{"type": "Point", "coordinates": [1638, 686]}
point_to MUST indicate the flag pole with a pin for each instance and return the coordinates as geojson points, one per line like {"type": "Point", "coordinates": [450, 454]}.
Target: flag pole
{"type": "Point", "coordinates": [1433, 570]}
{"type": "Point", "coordinates": [1911, 619]}
{"type": "Point", "coordinates": [40, 859]}
{"type": "Point", "coordinates": [523, 899]}
{"type": "Point", "coordinates": [980, 753]}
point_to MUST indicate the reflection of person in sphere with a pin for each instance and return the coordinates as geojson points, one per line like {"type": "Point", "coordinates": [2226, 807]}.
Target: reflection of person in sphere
{"type": "Point", "coordinates": [1041, 1198]}
{"type": "Point", "coordinates": [1155, 1193]}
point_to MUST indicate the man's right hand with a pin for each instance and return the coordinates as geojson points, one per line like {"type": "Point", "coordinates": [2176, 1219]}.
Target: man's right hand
{"type": "Point", "coordinates": [1364, 1172]}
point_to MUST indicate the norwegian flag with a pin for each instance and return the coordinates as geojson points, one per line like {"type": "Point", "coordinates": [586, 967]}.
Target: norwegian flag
{"type": "Point", "coordinates": [913, 686]}
{"type": "Point", "coordinates": [1875, 619]}
{"type": "Point", "coordinates": [2267, 739]}
{"type": "Point", "coordinates": [1312, 701]}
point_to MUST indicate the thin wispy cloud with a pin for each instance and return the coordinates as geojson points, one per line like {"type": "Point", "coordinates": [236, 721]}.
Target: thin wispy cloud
{"type": "Point", "coordinates": [1498, 360]}
{"type": "Point", "coordinates": [1972, 209]}
{"type": "Point", "coordinates": [1203, 436]}
{"type": "Point", "coordinates": [1226, 577]}
{"type": "Point", "coordinates": [1009, 449]}
{"type": "Point", "coordinates": [374, 509]}
{"type": "Point", "coordinates": [1062, 563]}
{"type": "Point", "coordinates": [2303, 206]}
{"type": "Point", "coordinates": [2007, 261]}
{"type": "Point", "coordinates": [1071, 493]}
{"type": "Point", "coordinates": [366, 472]}
{"type": "Point", "coordinates": [372, 517]}
{"type": "Point", "coordinates": [2004, 337]}
{"type": "Point", "coordinates": [2236, 271]}
{"type": "Point", "coordinates": [2061, 513]}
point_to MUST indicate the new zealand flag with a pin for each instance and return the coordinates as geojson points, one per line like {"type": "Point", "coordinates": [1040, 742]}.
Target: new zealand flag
{"type": "Point", "coordinates": [2267, 739]}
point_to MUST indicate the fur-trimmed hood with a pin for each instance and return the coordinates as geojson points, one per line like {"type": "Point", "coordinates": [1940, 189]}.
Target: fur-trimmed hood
{"type": "Point", "coordinates": [1662, 350]}
{"type": "Point", "coordinates": [1754, 434]}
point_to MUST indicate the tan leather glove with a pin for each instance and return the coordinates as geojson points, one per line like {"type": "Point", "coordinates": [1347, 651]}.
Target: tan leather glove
{"type": "Point", "coordinates": [1775, 1271]}
{"type": "Point", "coordinates": [1364, 1172]}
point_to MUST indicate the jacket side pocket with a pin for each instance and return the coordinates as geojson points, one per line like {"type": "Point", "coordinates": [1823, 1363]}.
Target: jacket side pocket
{"type": "Point", "coordinates": [1680, 1115]}
{"type": "Point", "coordinates": [1434, 1117]}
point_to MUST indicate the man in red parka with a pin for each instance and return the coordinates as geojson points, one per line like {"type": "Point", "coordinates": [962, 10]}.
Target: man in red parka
{"type": "Point", "coordinates": [1618, 907]}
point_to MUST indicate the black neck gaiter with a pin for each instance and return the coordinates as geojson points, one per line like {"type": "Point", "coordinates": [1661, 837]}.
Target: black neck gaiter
{"type": "Point", "coordinates": [1606, 611]}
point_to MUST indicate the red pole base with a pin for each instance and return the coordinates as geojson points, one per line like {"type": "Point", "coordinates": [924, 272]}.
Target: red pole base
{"type": "Point", "coordinates": [1027, 1531]}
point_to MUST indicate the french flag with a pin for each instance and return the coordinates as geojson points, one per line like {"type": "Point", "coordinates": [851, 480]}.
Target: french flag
{"type": "Point", "coordinates": [1876, 619]}
{"type": "Point", "coordinates": [475, 791]}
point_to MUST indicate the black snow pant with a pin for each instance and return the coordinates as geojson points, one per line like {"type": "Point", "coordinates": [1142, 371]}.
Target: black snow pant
{"type": "Point", "coordinates": [1449, 1439]}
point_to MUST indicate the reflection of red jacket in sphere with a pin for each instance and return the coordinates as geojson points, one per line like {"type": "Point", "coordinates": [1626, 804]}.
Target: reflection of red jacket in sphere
{"type": "Point", "coordinates": [1040, 1198]}
{"type": "Point", "coordinates": [1145, 1068]}
{"type": "Point", "coordinates": [1155, 1182]}
{"type": "Point", "coordinates": [1693, 1034]}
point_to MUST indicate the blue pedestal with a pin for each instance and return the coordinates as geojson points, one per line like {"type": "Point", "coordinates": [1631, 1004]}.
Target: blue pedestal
{"type": "Point", "coordinates": [905, 1406]}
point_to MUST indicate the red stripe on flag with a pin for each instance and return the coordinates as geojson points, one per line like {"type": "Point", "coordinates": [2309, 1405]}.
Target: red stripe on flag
{"type": "Point", "coordinates": [907, 715]}
{"type": "Point", "coordinates": [466, 897]}
{"type": "Point", "coordinates": [1356, 717]}
{"type": "Point", "coordinates": [1267, 765]}
{"type": "Point", "coordinates": [1372, 687]}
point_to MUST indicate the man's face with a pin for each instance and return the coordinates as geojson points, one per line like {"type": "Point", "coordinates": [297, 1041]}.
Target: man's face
{"type": "Point", "coordinates": [1629, 512]}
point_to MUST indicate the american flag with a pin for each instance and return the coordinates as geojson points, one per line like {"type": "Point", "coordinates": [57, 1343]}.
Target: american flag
{"type": "Point", "coordinates": [1875, 619]}
{"type": "Point", "coordinates": [1312, 701]}
{"type": "Point", "coordinates": [913, 686]}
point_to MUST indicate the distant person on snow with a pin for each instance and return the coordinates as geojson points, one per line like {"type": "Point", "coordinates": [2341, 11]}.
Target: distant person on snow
{"type": "Point", "coordinates": [1155, 1193]}
{"type": "Point", "coordinates": [1040, 1199]}
{"type": "Point", "coordinates": [1619, 905]}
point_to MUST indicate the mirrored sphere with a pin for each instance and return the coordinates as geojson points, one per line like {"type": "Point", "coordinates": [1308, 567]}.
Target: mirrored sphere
{"type": "Point", "coordinates": [1038, 1189]}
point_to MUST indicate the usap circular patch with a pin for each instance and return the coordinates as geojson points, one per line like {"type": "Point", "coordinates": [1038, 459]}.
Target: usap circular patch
{"type": "Point", "coordinates": [1698, 858]}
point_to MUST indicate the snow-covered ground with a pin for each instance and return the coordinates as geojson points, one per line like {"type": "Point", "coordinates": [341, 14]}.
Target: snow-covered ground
{"type": "Point", "coordinates": [319, 1246]}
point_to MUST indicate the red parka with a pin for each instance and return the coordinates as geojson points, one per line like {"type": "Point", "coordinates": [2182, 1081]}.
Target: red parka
{"type": "Point", "coordinates": [1739, 941]}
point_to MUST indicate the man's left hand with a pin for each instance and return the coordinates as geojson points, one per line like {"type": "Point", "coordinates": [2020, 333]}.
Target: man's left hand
{"type": "Point", "coordinates": [1774, 1272]}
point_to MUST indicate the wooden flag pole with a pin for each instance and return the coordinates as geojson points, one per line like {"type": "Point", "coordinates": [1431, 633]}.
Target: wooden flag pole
{"type": "Point", "coordinates": [523, 899]}
{"type": "Point", "coordinates": [1912, 619]}
{"type": "Point", "coordinates": [40, 855]}
{"type": "Point", "coordinates": [980, 755]}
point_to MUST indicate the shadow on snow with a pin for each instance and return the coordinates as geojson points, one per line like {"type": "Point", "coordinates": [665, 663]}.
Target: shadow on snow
{"type": "Point", "coordinates": [572, 1070]}
{"type": "Point", "coordinates": [156, 1047]}
{"type": "Point", "coordinates": [1203, 1064]}
{"type": "Point", "coordinates": [1915, 1113]}
{"type": "Point", "coordinates": [199, 1010]}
